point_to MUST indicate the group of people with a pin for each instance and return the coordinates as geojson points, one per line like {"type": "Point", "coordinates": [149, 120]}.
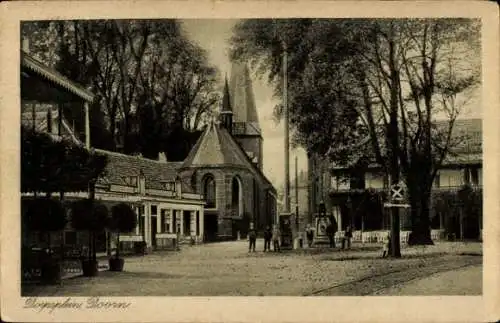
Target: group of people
{"type": "Point", "coordinates": [330, 230]}
{"type": "Point", "coordinates": [273, 235]}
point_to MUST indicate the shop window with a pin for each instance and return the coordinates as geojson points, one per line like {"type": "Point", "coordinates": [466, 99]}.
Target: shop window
{"type": "Point", "coordinates": [165, 220]}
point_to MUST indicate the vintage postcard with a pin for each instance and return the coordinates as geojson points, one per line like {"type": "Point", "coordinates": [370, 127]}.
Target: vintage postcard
{"type": "Point", "coordinates": [249, 161]}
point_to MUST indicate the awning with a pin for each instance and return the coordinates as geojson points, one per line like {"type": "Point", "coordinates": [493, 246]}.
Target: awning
{"type": "Point", "coordinates": [33, 87]}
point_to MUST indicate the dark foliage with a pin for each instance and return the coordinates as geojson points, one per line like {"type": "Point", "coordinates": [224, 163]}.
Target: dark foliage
{"type": "Point", "coordinates": [53, 166]}
{"type": "Point", "coordinates": [89, 215]}
{"type": "Point", "coordinates": [123, 218]}
{"type": "Point", "coordinates": [45, 215]}
{"type": "Point", "coordinates": [180, 142]}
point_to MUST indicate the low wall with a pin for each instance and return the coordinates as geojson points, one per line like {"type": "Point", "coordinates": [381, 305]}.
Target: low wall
{"type": "Point", "coordinates": [380, 236]}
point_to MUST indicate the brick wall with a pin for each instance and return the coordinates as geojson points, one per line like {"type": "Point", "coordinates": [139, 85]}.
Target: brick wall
{"type": "Point", "coordinates": [254, 198]}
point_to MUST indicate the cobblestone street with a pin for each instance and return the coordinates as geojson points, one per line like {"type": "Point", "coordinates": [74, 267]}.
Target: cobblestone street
{"type": "Point", "coordinates": [228, 269]}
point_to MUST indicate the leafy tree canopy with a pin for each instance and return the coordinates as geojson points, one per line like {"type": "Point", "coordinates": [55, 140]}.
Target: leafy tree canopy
{"type": "Point", "coordinates": [54, 166]}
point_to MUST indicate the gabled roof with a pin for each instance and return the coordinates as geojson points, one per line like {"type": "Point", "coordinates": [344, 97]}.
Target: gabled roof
{"type": "Point", "coordinates": [217, 148]}
{"type": "Point", "coordinates": [242, 98]}
{"type": "Point", "coordinates": [120, 167]}
{"type": "Point", "coordinates": [51, 75]}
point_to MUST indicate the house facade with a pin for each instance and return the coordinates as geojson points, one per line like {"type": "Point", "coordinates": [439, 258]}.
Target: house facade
{"type": "Point", "coordinates": [214, 193]}
{"type": "Point", "coordinates": [343, 190]}
{"type": "Point", "coordinates": [166, 208]}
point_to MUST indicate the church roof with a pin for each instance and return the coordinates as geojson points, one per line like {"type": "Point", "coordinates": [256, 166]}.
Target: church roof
{"type": "Point", "coordinates": [242, 99]}
{"type": "Point", "coordinates": [216, 147]}
{"type": "Point", "coordinates": [226, 99]}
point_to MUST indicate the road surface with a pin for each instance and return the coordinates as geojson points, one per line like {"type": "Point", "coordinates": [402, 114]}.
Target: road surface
{"type": "Point", "coordinates": [227, 269]}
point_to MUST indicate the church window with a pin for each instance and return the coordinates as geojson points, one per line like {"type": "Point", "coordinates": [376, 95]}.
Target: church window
{"type": "Point", "coordinates": [209, 191]}
{"type": "Point", "coordinates": [237, 197]}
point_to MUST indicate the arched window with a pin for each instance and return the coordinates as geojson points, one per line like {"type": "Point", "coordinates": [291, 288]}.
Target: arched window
{"type": "Point", "coordinates": [237, 196]}
{"type": "Point", "coordinates": [209, 191]}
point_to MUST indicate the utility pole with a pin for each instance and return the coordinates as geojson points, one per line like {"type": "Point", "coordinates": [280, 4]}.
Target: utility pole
{"type": "Point", "coordinates": [287, 119]}
{"type": "Point", "coordinates": [394, 147]}
{"type": "Point", "coordinates": [297, 193]}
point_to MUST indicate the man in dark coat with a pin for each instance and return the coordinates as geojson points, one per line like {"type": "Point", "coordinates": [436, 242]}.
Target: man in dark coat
{"type": "Point", "coordinates": [331, 229]}
{"type": "Point", "coordinates": [252, 238]}
{"type": "Point", "coordinates": [331, 235]}
{"type": "Point", "coordinates": [268, 234]}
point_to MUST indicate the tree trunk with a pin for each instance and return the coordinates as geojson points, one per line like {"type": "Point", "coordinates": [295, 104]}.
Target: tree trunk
{"type": "Point", "coordinates": [90, 246]}
{"type": "Point", "coordinates": [461, 221]}
{"type": "Point", "coordinates": [118, 245]}
{"type": "Point", "coordinates": [49, 244]}
{"type": "Point", "coordinates": [421, 232]}
{"type": "Point", "coordinates": [94, 251]}
{"type": "Point", "coordinates": [61, 198]}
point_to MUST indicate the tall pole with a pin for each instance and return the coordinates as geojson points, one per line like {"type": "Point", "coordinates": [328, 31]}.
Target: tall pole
{"type": "Point", "coordinates": [297, 192]}
{"type": "Point", "coordinates": [87, 125]}
{"type": "Point", "coordinates": [287, 144]}
{"type": "Point", "coordinates": [394, 147]}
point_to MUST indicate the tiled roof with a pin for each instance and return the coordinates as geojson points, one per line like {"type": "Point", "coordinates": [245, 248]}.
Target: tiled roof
{"type": "Point", "coordinates": [121, 166]}
{"type": "Point", "coordinates": [215, 147]}
{"type": "Point", "coordinates": [469, 132]}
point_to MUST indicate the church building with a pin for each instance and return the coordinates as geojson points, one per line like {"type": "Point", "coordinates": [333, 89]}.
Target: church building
{"type": "Point", "coordinates": [225, 165]}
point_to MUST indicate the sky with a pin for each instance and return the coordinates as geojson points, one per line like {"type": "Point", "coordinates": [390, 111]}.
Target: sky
{"type": "Point", "coordinates": [213, 36]}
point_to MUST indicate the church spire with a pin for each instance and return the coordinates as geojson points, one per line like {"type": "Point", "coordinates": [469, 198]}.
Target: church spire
{"type": "Point", "coordinates": [226, 113]}
{"type": "Point", "coordinates": [242, 99]}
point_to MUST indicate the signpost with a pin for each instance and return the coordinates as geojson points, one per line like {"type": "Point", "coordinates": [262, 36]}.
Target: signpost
{"type": "Point", "coordinates": [398, 200]}
{"type": "Point", "coordinates": [398, 196]}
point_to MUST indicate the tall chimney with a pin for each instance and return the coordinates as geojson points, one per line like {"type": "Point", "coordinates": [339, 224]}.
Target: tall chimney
{"type": "Point", "coordinates": [162, 157]}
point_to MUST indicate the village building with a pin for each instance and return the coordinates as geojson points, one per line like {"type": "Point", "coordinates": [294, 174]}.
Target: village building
{"type": "Point", "coordinates": [164, 206]}
{"type": "Point", "coordinates": [214, 193]}
{"type": "Point", "coordinates": [225, 165]}
{"type": "Point", "coordinates": [342, 189]}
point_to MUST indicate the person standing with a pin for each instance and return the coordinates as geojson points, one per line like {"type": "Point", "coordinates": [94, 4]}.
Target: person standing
{"type": "Point", "coordinates": [252, 238]}
{"type": "Point", "coordinates": [268, 234]}
{"type": "Point", "coordinates": [385, 247]}
{"type": "Point", "coordinates": [309, 235]}
{"type": "Point", "coordinates": [348, 236]}
{"type": "Point", "coordinates": [276, 238]}
{"type": "Point", "coordinates": [331, 235]}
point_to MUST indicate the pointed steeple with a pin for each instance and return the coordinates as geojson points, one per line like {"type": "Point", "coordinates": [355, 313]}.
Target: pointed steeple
{"type": "Point", "coordinates": [242, 99]}
{"type": "Point", "coordinates": [226, 99]}
{"type": "Point", "coordinates": [226, 113]}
